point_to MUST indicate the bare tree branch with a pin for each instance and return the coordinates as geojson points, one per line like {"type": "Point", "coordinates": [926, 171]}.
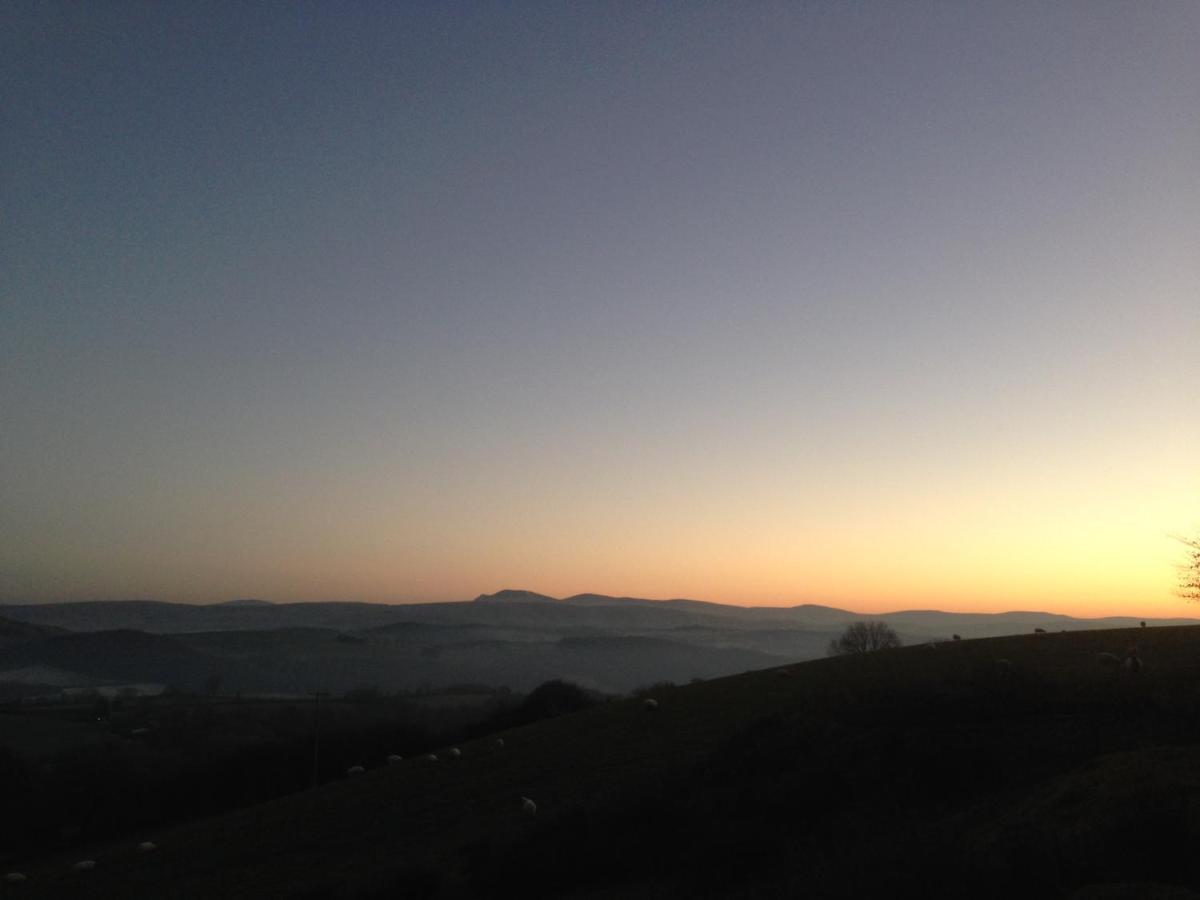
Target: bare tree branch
{"type": "Point", "coordinates": [864, 637]}
{"type": "Point", "coordinates": [1189, 572]}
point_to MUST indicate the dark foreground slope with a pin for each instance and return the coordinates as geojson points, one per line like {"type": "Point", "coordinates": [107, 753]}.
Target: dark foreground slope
{"type": "Point", "coordinates": [993, 768]}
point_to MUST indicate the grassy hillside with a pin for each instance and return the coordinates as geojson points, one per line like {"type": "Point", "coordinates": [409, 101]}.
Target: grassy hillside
{"type": "Point", "coordinates": [992, 768]}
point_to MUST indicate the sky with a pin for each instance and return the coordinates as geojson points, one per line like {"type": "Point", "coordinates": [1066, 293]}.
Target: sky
{"type": "Point", "coordinates": [876, 305]}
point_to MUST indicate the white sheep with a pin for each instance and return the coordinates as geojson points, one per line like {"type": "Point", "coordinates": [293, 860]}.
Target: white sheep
{"type": "Point", "coordinates": [528, 807]}
{"type": "Point", "coordinates": [84, 865]}
{"type": "Point", "coordinates": [355, 770]}
{"type": "Point", "coordinates": [147, 847]}
{"type": "Point", "coordinates": [432, 757]}
{"type": "Point", "coordinates": [499, 742]}
{"type": "Point", "coordinates": [15, 877]}
{"type": "Point", "coordinates": [394, 758]}
{"type": "Point", "coordinates": [455, 753]}
{"type": "Point", "coordinates": [650, 703]}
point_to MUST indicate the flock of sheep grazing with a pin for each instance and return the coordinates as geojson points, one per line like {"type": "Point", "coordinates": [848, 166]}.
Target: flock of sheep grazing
{"type": "Point", "coordinates": [394, 758]}
{"type": "Point", "coordinates": [1130, 663]}
{"type": "Point", "coordinates": [84, 865]}
{"type": "Point", "coordinates": [528, 806]}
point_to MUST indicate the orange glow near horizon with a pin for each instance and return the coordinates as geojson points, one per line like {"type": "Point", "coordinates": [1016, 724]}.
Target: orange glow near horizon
{"type": "Point", "coordinates": [872, 545]}
{"type": "Point", "coordinates": [880, 306]}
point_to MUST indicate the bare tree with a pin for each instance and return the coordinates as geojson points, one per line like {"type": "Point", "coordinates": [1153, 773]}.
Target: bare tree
{"type": "Point", "coordinates": [1189, 572]}
{"type": "Point", "coordinates": [864, 637]}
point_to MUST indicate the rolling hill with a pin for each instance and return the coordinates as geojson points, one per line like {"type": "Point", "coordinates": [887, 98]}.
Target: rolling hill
{"type": "Point", "coordinates": [999, 767]}
{"type": "Point", "coordinates": [526, 609]}
{"type": "Point", "coordinates": [514, 638]}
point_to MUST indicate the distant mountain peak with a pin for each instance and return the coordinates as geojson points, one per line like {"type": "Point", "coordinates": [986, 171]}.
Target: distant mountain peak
{"type": "Point", "coordinates": [511, 595]}
{"type": "Point", "coordinates": [604, 600]}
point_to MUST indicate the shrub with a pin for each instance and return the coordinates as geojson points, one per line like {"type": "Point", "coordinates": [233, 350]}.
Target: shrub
{"type": "Point", "coordinates": [864, 637]}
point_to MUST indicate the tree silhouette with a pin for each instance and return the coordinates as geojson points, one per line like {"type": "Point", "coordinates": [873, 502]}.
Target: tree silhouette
{"type": "Point", "coordinates": [1189, 572]}
{"type": "Point", "coordinates": [864, 637]}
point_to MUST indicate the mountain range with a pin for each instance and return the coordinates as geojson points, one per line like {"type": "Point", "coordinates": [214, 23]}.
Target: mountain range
{"type": "Point", "coordinates": [515, 638]}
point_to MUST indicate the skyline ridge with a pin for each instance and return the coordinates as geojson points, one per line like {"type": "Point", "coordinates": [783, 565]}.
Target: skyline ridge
{"type": "Point", "coordinates": [517, 596]}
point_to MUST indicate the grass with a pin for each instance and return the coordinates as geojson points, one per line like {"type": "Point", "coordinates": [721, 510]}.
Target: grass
{"type": "Point", "coordinates": [914, 772]}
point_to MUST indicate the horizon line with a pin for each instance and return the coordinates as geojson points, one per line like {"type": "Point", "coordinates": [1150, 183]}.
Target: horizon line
{"type": "Point", "coordinates": [4, 603]}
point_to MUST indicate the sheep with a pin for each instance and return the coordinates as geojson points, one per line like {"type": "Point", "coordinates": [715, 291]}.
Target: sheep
{"type": "Point", "coordinates": [394, 758]}
{"type": "Point", "coordinates": [455, 753]}
{"type": "Point", "coordinates": [1132, 662]}
{"type": "Point", "coordinates": [1039, 631]}
{"type": "Point", "coordinates": [432, 757]}
{"type": "Point", "coordinates": [650, 703]}
{"type": "Point", "coordinates": [147, 847]}
{"type": "Point", "coordinates": [15, 877]}
{"type": "Point", "coordinates": [500, 743]}
{"type": "Point", "coordinates": [355, 770]}
{"type": "Point", "coordinates": [528, 807]}
{"type": "Point", "coordinates": [1108, 660]}
{"type": "Point", "coordinates": [957, 637]}
{"type": "Point", "coordinates": [84, 865]}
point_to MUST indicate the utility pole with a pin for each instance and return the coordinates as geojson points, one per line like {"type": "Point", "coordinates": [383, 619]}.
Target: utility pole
{"type": "Point", "coordinates": [317, 695]}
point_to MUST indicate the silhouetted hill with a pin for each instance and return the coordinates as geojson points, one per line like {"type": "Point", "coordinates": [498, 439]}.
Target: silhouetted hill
{"type": "Point", "coordinates": [603, 600]}
{"type": "Point", "coordinates": [997, 768]}
{"type": "Point", "coordinates": [512, 596]}
{"type": "Point", "coordinates": [511, 638]}
{"type": "Point", "coordinates": [525, 609]}
{"type": "Point", "coordinates": [177, 618]}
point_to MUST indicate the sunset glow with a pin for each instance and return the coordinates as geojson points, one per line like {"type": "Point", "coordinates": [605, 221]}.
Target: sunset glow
{"type": "Point", "coordinates": [901, 315]}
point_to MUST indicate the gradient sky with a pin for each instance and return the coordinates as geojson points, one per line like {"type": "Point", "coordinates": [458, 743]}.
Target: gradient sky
{"type": "Point", "coordinates": [876, 305]}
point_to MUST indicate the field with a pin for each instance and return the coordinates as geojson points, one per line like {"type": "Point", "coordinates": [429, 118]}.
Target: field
{"type": "Point", "coordinates": [77, 773]}
{"type": "Point", "coordinates": [990, 768]}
